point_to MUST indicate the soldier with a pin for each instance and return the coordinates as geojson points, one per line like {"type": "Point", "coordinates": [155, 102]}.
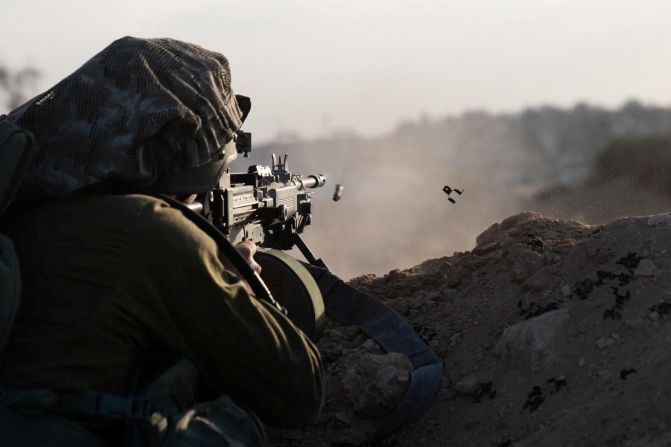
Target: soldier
{"type": "Point", "coordinates": [126, 301]}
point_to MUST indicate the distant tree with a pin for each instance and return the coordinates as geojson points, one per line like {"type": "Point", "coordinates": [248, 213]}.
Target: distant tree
{"type": "Point", "coordinates": [644, 160]}
{"type": "Point", "coordinates": [17, 85]}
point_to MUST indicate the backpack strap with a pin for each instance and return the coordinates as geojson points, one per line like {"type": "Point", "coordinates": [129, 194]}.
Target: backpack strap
{"type": "Point", "coordinates": [79, 403]}
{"type": "Point", "coordinates": [173, 391]}
{"type": "Point", "coordinates": [15, 154]}
{"type": "Point", "coordinates": [10, 288]}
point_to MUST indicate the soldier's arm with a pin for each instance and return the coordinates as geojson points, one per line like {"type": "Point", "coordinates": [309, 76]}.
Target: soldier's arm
{"type": "Point", "coordinates": [185, 299]}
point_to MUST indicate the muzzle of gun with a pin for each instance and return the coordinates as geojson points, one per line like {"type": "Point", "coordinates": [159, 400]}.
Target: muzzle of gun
{"type": "Point", "coordinates": [310, 181]}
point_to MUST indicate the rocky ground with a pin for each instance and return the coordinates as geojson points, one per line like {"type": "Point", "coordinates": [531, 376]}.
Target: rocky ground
{"type": "Point", "coordinates": [553, 332]}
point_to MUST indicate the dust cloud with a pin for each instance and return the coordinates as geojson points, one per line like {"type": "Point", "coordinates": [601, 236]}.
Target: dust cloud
{"type": "Point", "coordinates": [394, 213]}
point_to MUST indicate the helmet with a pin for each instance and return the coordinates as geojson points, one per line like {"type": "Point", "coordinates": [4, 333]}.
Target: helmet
{"type": "Point", "coordinates": [141, 112]}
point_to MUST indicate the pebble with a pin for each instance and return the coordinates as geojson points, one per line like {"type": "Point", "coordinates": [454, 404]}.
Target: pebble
{"type": "Point", "coordinates": [369, 345]}
{"type": "Point", "coordinates": [566, 291]}
{"type": "Point", "coordinates": [581, 362]}
{"type": "Point", "coordinates": [468, 386]}
{"type": "Point", "coordinates": [536, 283]}
{"type": "Point", "coordinates": [334, 333]}
{"type": "Point", "coordinates": [653, 316]}
{"type": "Point", "coordinates": [377, 383]}
{"type": "Point", "coordinates": [646, 268]}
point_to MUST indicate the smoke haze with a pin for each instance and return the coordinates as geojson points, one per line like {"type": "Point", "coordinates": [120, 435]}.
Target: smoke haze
{"type": "Point", "coordinates": [329, 81]}
{"type": "Point", "coordinates": [394, 213]}
{"type": "Point", "coordinates": [316, 67]}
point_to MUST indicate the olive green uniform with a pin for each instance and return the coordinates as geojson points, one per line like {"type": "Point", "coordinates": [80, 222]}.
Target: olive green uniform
{"type": "Point", "coordinates": [110, 280]}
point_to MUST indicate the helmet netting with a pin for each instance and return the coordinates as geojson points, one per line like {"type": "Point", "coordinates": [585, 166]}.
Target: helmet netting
{"type": "Point", "coordinates": [138, 108]}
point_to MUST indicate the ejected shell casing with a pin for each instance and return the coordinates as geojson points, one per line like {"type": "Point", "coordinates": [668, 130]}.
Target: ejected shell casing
{"type": "Point", "coordinates": [337, 194]}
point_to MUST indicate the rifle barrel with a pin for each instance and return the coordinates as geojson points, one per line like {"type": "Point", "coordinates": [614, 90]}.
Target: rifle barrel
{"type": "Point", "coordinates": [312, 181]}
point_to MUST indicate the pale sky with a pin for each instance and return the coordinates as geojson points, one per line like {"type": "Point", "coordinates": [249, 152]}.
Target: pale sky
{"type": "Point", "coordinates": [318, 66]}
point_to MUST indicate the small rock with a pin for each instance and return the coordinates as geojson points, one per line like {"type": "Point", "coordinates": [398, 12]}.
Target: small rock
{"type": "Point", "coordinates": [369, 345]}
{"type": "Point", "coordinates": [581, 362]}
{"type": "Point", "coordinates": [605, 375]}
{"type": "Point", "coordinates": [604, 342]}
{"type": "Point", "coordinates": [646, 268]}
{"type": "Point", "coordinates": [334, 333]}
{"type": "Point", "coordinates": [566, 291]}
{"type": "Point", "coordinates": [659, 220]}
{"type": "Point", "coordinates": [536, 283]}
{"type": "Point", "coordinates": [653, 316]}
{"type": "Point", "coordinates": [535, 343]}
{"type": "Point", "coordinates": [377, 383]}
{"type": "Point", "coordinates": [468, 386]}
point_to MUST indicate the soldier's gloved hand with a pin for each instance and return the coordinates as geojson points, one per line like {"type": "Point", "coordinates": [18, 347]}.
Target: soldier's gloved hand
{"type": "Point", "coordinates": [247, 249]}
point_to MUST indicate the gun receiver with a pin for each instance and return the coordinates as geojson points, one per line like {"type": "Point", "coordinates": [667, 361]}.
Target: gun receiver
{"type": "Point", "coordinates": [267, 205]}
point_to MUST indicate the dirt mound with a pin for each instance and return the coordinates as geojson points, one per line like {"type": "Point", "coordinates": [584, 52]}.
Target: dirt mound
{"type": "Point", "coordinates": [553, 332]}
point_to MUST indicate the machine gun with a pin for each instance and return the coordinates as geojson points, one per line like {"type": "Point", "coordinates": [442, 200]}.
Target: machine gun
{"type": "Point", "coordinates": [271, 207]}
{"type": "Point", "coordinates": [266, 205]}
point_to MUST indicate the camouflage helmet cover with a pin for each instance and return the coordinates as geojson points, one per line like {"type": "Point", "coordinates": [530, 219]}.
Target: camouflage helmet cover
{"type": "Point", "coordinates": [139, 109]}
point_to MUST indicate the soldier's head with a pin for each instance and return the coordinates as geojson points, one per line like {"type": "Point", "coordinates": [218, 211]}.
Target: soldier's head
{"type": "Point", "coordinates": [154, 113]}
